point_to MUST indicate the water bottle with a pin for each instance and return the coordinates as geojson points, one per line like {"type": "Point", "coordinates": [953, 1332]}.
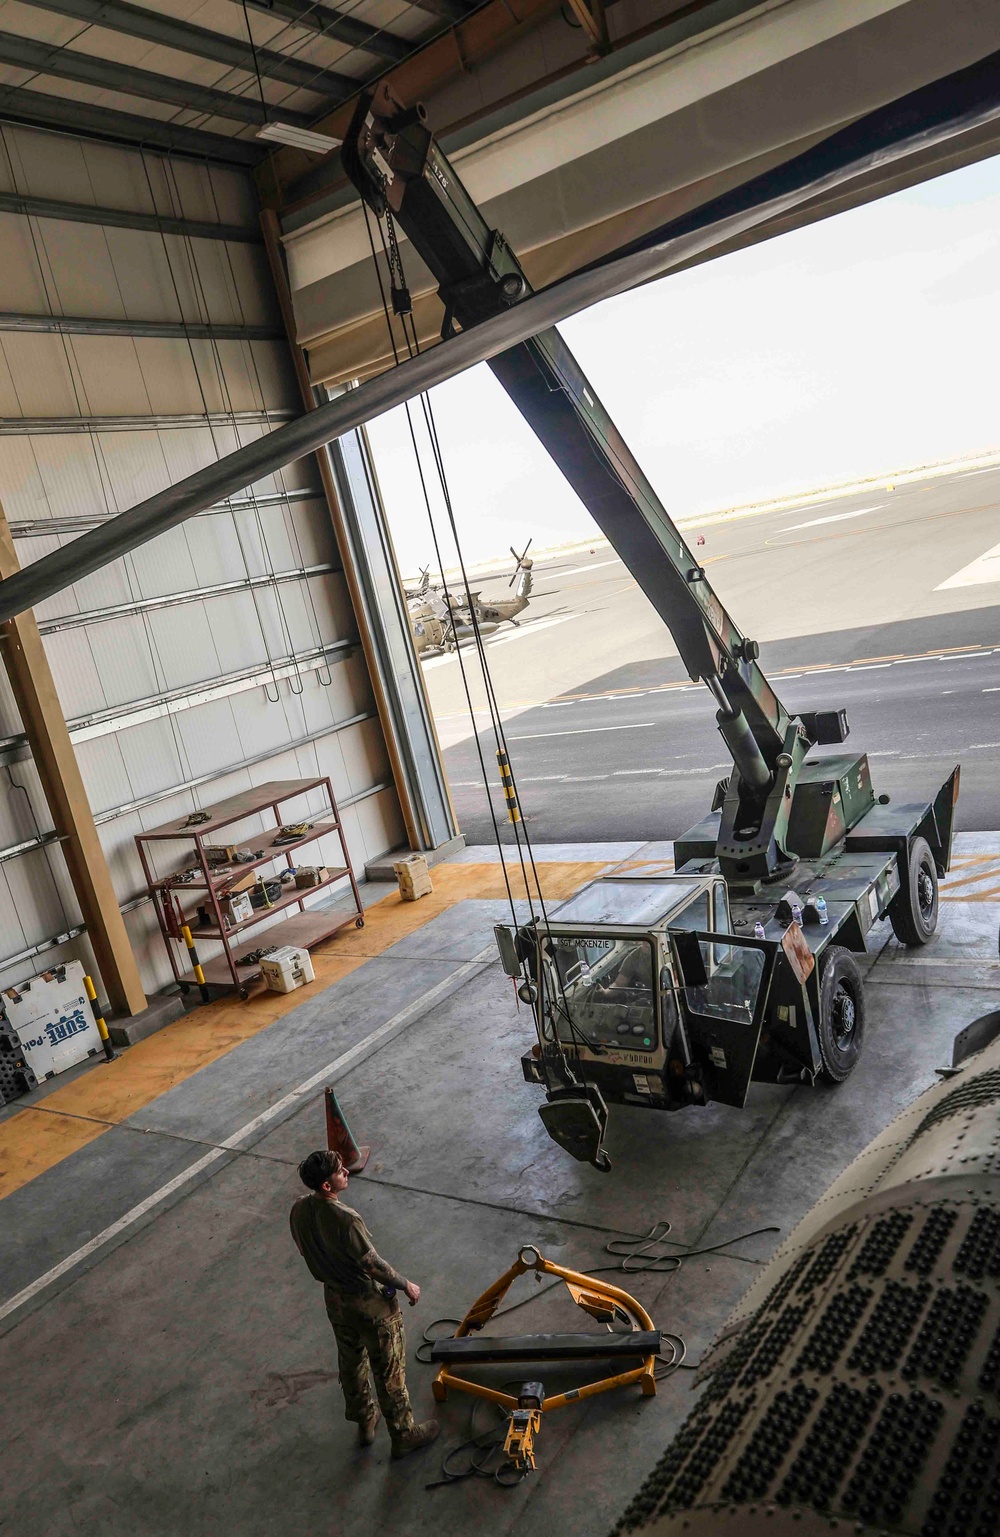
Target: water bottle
{"type": "Point", "coordinates": [824, 916]}
{"type": "Point", "coordinates": [796, 913]}
{"type": "Point", "coordinates": [758, 930]}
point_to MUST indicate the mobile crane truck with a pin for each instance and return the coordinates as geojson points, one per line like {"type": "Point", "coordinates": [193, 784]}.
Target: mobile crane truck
{"type": "Point", "coordinates": [672, 990]}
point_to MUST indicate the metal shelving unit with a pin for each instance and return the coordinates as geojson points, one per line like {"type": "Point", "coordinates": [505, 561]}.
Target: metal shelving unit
{"type": "Point", "coordinates": [306, 927]}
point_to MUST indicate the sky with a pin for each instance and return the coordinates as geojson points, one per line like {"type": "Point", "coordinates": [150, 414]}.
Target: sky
{"type": "Point", "coordinates": [860, 345]}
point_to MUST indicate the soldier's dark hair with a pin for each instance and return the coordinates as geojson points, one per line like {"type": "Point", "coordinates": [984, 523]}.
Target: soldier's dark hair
{"type": "Point", "coordinates": [320, 1166]}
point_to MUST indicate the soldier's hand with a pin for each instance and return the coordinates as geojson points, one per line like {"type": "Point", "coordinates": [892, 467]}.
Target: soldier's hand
{"type": "Point", "coordinates": [412, 1293]}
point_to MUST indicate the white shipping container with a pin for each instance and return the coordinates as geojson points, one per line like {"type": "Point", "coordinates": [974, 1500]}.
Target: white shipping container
{"type": "Point", "coordinates": [285, 970]}
{"type": "Point", "coordinates": [52, 1018]}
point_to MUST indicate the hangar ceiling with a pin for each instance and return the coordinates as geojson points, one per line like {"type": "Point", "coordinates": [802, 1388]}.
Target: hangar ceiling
{"type": "Point", "coordinates": [201, 76]}
{"type": "Point", "coordinates": [574, 163]}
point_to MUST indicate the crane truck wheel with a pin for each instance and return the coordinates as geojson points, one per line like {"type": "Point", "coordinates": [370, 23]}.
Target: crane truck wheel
{"type": "Point", "coordinates": [841, 1014]}
{"type": "Point", "coordinates": [914, 910]}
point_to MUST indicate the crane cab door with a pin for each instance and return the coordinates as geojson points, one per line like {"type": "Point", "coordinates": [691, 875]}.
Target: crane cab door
{"type": "Point", "coordinates": [725, 982]}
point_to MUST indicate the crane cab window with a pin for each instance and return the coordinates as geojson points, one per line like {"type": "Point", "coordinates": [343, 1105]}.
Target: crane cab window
{"type": "Point", "coordinates": [696, 915]}
{"type": "Point", "coordinates": [600, 989]}
{"type": "Point", "coordinates": [735, 973]}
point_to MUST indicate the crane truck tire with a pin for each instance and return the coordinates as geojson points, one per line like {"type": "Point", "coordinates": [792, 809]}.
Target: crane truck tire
{"type": "Point", "coordinates": [914, 910]}
{"type": "Point", "coordinates": [841, 1014]}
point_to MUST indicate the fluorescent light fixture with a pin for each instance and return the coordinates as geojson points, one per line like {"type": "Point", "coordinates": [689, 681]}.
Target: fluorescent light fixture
{"type": "Point", "coordinates": [298, 138]}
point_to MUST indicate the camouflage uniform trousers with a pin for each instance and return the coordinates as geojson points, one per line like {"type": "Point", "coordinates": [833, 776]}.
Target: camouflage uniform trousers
{"type": "Point", "coordinates": [370, 1337]}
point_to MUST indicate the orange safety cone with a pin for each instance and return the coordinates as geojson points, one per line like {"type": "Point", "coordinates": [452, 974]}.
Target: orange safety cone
{"type": "Point", "coordinates": [339, 1138]}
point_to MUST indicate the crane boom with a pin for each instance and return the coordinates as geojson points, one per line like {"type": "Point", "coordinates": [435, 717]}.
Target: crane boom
{"type": "Point", "coordinates": [392, 158]}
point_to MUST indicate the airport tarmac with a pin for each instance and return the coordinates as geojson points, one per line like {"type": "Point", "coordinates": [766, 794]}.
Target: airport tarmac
{"type": "Point", "coordinates": [885, 603]}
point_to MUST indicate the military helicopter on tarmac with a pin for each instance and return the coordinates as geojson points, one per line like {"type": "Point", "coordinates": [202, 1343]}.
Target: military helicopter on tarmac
{"type": "Point", "coordinates": [492, 612]}
{"type": "Point", "coordinates": [441, 619]}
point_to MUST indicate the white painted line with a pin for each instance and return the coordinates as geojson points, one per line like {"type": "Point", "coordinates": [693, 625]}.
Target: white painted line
{"type": "Point", "coordinates": [525, 630]}
{"type": "Point", "coordinates": [538, 736]}
{"type": "Point", "coordinates": [575, 570]}
{"type": "Point", "coordinates": [985, 568]}
{"type": "Point", "coordinates": [836, 517]}
{"type": "Point", "coordinates": [347, 1059]}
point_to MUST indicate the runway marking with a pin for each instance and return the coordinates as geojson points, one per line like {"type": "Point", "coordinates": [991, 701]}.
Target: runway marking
{"type": "Point", "coordinates": [816, 669]}
{"type": "Point", "coordinates": [537, 736]}
{"type": "Point", "coordinates": [985, 568]}
{"type": "Point", "coordinates": [836, 517]}
{"type": "Point", "coordinates": [575, 570]}
{"type": "Point", "coordinates": [418, 1007]}
{"type": "Point", "coordinates": [528, 630]}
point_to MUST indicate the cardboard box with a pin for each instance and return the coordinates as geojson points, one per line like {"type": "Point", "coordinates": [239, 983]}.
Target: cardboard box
{"type": "Point", "coordinates": [237, 907]}
{"type": "Point", "coordinates": [243, 884]}
{"type": "Point", "coordinates": [413, 877]}
{"type": "Point", "coordinates": [310, 875]}
{"type": "Point", "coordinates": [220, 853]}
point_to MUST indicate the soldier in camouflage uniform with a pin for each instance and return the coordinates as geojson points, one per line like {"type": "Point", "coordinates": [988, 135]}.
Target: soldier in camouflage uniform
{"type": "Point", "coordinates": [359, 1289]}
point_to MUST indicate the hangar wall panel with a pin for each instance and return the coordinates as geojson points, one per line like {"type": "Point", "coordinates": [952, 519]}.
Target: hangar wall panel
{"type": "Point", "coordinates": [181, 695]}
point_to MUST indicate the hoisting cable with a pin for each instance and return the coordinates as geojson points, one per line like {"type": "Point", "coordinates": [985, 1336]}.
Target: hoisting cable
{"type": "Point", "coordinates": [438, 557]}
{"type": "Point", "coordinates": [402, 306]}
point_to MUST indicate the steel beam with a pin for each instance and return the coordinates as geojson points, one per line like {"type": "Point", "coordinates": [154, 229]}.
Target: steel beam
{"type": "Point", "coordinates": [333, 23]}
{"type": "Point", "coordinates": [28, 846]}
{"type": "Point", "coordinates": [66, 64]}
{"type": "Point", "coordinates": [936, 114]}
{"type": "Point", "coordinates": [346, 543]}
{"type": "Point", "coordinates": [86, 728]}
{"type": "Point", "coordinates": [46, 732]}
{"type": "Point", "coordinates": [176, 599]}
{"type": "Point", "coordinates": [82, 120]}
{"type": "Point", "coordinates": [122, 218]}
{"type": "Point", "coordinates": [137, 21]}
{"type": "Point", "coordinates": [89, 325]}
{"type": "Point", "coordinates": [38, 528]}
{"type": "Point", "coordinates": [156, 796]}
{"type": "Point", "coordinates": [45, 944]}
{"type": "Point", "coordinates": [42, 426]}
{"type": "Point", "coordinates": [448, 10]}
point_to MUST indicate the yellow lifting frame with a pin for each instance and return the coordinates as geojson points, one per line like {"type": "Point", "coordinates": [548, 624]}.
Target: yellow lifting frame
{"type": "Point", "coordinates": [587, 1292]}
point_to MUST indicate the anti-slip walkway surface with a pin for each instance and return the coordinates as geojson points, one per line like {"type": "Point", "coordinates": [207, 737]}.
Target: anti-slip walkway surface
{"type": "Point", "coordinates": [169, 1368]}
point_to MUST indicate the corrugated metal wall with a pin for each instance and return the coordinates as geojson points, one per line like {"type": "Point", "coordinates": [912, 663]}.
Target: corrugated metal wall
{"type": "Point", "coordinates": [176, 695]}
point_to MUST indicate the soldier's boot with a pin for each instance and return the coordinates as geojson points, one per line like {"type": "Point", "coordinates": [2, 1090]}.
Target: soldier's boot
{"type": "Point", "coordinates": [367, 1428]}
{"type": "Point", "coordinates": [412, 1440]}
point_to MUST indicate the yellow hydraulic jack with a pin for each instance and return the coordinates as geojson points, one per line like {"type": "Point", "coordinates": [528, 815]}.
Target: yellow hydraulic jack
{"type": "Point", "coordinates": [635, 1350]}
{"type": "Point", "coordinates": [523, 1426]}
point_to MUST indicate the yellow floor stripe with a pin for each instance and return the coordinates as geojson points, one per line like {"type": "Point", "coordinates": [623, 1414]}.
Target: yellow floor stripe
{"type": "Point", "coordinates": [38, 1138]}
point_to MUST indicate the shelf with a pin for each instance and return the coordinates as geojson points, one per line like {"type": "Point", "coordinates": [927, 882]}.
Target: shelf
{"type": "Point", "coordinates": [305, 927]}
{"type": "Point", "coordinates": [305, 930]}
{"type": "Point", "coordinates": [235, 809]}
{"type": "Point", "coordinates": [296, 894]}
{"type": "Point", "coordinates": [227, 874]}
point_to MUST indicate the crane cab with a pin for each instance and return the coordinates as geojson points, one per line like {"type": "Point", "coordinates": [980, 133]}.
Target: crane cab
{"type": "Point", "coordinates": [642, 992]}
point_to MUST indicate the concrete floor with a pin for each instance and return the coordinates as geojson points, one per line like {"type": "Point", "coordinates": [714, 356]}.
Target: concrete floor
{"type": "Point", "coordinates": [180, 1375]}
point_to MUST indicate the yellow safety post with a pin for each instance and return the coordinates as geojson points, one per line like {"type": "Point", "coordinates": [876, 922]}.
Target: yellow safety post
{"type": "Point", "coordinates": [199, 975]}
{"type": "Point", "coordinates": [509, 793]}
{"type": "Point", "coordinates": [102, 1029]}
